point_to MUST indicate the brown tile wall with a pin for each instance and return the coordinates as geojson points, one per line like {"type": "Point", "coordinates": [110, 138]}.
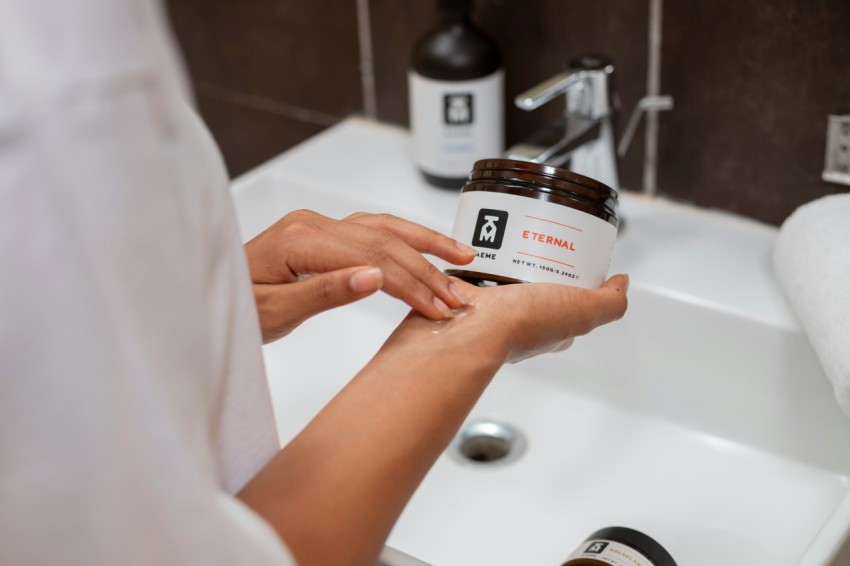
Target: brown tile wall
{"type": "Point", "coordinates": [269, 73]}
{"type": "Point", "coordinates": [753, 81]}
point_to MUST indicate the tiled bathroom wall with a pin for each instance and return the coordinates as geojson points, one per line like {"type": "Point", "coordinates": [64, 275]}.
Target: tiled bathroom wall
{"type": "Point", "coordinates": [753, 80]}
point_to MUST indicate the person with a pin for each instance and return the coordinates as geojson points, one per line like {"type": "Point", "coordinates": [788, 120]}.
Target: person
{"type": "Point", "coordinates": [135, 421]}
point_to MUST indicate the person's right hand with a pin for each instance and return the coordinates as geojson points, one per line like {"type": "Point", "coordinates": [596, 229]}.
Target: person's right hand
{"type": "Point", "coordinates": [306, 263]}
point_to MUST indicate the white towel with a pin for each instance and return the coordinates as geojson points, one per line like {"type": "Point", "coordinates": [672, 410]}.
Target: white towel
{"type": "Point", "coordinates": [812, 260]}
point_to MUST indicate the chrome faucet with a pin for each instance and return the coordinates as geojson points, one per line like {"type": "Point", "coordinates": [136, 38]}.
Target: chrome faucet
{"type": "Point", "coordinates": [583, 139]}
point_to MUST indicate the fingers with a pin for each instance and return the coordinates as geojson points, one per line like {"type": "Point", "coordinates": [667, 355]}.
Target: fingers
{"type": "Point", "coordinates": [552, 314]}
{"type": "Point", "coordinates": [284, 307]}
{"type": "Point", "coordinates": [587, 309]}
{"type": "Point", "coordinates": [418, 283]}
{"type": "Point", "coordinates": [307, 242]}
{"type": "Point", "coordinates": [411, 278]}
{"type": "Point", "coordinates": [420, 238]}
{"type": "Point", "coordinates": [611, 299]}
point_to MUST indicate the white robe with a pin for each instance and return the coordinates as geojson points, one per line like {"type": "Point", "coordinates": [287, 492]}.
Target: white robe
{"type": "Point", "coordinates": [133, 399]}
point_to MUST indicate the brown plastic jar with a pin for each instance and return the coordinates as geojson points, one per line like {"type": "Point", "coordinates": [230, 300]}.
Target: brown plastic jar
{"type": "Point", "coordinates": [619, 546]}
{"type": "Point", "coordinates": [531, 222]}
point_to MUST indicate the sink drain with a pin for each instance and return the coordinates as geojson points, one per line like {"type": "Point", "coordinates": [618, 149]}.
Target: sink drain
{"type": "Point", "coordinates": [488, 442]}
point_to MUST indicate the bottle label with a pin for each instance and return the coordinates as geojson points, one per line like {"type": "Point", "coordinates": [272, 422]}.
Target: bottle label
{"type": "Point", "coordinates": [455, 123]}
{"type": "Point", "coordinates": [610, 552]}
{"type": "Point", "coordinates": [533, 240]}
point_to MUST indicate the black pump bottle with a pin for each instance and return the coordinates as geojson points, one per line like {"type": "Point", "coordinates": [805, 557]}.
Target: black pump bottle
{"type": "Point", "coordinates": [456, 86]}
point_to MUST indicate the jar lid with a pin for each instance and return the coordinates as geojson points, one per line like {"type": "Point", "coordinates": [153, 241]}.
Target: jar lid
{"type": "Point", "coordinates": [546, 179]}
{"type": "Point", "coordinates": [637, 540]}
{"type": "Point", "coordinates": [554, 176]}
{"type": "Point", "coordinates": [523, 179]}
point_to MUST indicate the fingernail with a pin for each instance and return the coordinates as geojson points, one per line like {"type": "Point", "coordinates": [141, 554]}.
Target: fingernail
{"type": "Point", "coordinates": [443, 308]}
{"type": "Point", "coordinates": [455, 290]}
{"type": "Point", "coordinates": [466, 249]}
{"type": "Point", "coordinates": [626, 290]}
{"type": "Point", "coordinates": [366, 280]}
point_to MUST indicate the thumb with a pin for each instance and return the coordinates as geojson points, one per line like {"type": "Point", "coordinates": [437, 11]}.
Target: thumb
{"type": "Point", "coordinates": [283, 307]}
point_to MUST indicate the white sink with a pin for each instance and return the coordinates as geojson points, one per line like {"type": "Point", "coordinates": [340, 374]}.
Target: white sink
{"type": "Point", "coordinates": [702, 418]}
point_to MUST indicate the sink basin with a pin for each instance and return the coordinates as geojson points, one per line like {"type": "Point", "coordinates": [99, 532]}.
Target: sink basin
{"type": "Point", "coordinates": [702, 418]}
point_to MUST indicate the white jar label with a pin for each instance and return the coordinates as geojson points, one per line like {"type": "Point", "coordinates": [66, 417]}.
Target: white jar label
{"type": "Point", "coordinates": [533, 240]}
{"type": "Point", "coordinates": [455, 123]}
{"type": "Point", "coordinates": [610, 552]}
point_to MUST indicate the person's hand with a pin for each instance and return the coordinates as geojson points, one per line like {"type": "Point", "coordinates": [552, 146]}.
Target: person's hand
{"type": "Point", "coordinates": [547, 317]}
{"type": "Point", "coordinates": [372, 445]}
{"type": "Point", "coordinates": [515, 322]}
{"type": "Point", "coordinates": [307, 263]}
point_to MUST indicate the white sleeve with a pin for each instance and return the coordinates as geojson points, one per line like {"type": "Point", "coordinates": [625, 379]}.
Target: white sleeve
{"type": "Point", "coordinates": [132, 394]}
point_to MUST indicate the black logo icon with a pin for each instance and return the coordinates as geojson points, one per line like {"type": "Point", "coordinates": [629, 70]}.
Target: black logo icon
{"type": "Point", "coordinates": [596, 547]}
{"type": "Point", "coordinates": [457, 109]}
{"type": "Point", "coordinates": [490, 228]}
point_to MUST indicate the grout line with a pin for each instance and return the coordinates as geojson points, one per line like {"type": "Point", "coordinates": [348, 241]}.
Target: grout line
{"type": "Point", "coordinates": [653, 88]}
{"type": "Point", "coordinates": [266, 104]}
{"type": "Point", "coordinates": [367, 63]}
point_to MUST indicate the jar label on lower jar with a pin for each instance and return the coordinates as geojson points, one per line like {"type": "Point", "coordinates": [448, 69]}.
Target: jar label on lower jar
{"type": "Point", "coordinates": [534, 240]}
{"type": "Point", "coordinates": [609, 552]}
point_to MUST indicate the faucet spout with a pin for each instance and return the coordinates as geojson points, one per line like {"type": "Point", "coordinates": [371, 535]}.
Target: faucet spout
{"type": "Point", "coordinates": [582, 139]}
{"type": "Point", "coordinates": [555, 143]}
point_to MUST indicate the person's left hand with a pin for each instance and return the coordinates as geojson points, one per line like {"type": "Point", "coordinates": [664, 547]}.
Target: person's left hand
{"type": "Point", "coordinates": [307, 263]}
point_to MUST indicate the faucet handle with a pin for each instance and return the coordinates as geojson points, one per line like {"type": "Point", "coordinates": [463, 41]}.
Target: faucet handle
{"type": "Point", "coordinates": [592, 72]}
{"type": "Point", "coordinates": [658, 103]}
{"type": "Point", "coordinates": [538, 95]}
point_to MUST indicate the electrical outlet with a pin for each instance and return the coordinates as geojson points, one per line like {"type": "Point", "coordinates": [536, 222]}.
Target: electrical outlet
{"type": "Point", "coordinates": [837, 166]}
